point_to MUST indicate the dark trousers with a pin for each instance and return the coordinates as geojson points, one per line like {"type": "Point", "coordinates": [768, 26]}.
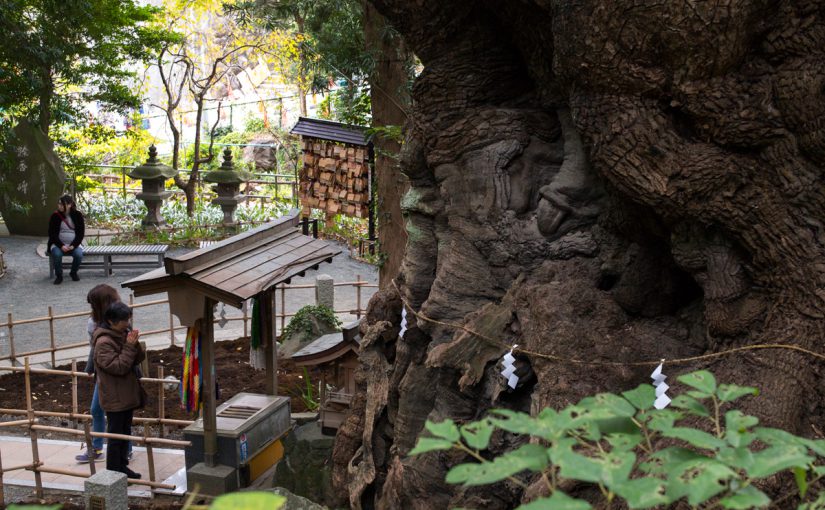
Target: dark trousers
{"type": "Point", "coordinates": [117, 452]}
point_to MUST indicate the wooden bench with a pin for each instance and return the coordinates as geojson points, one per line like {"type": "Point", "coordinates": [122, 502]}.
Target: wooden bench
{"type": "Point", "coordinates": [156, 253]}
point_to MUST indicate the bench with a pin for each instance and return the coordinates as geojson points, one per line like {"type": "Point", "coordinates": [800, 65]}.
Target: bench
{"type": "Point", "coordinates": [155, 252]}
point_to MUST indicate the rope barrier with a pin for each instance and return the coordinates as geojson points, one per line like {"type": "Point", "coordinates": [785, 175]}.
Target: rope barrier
{"type": "Point", "coordinates": [561, 359]}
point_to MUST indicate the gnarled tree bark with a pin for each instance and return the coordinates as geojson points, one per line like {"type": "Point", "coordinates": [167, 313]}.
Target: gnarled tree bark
{"type": "Point", "coordinates": [616, 181]}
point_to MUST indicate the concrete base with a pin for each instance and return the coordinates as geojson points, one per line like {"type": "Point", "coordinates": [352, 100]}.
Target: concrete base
{"type": "Point", "coordinates": [212, 481]}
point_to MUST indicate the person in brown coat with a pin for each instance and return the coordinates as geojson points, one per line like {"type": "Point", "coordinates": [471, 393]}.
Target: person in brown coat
{"type": "Point", "coordinates": [117, 354]}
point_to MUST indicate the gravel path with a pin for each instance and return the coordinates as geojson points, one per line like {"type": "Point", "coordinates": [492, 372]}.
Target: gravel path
{"type": "Point", "coordinates": [27, 292]}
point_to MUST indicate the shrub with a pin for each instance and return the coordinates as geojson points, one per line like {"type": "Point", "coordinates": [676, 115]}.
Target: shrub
{"type": "Point", "coordinates": [612, 441]}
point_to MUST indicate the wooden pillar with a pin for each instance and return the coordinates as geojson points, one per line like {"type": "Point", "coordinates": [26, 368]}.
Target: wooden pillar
{"type": "Point", "coordinates": [268, 339]}
{"type": "Point", "coordinates": [210, 435]}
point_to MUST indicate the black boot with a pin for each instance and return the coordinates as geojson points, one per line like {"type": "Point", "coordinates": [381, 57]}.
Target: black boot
{"type": "Point", "coordinates": [58, 280]}
{"type": "Point", "coordinates": [74, 276]}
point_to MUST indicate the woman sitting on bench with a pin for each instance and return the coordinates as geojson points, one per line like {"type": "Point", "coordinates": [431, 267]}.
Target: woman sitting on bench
{"type": "Point", "coordinates": [66, 230]}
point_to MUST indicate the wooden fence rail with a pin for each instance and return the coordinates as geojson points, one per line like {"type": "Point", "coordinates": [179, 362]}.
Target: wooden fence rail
{"type": "Point", "coordinates": [14, 355]}
{"type": "Point", "coordinates": [38, 466]}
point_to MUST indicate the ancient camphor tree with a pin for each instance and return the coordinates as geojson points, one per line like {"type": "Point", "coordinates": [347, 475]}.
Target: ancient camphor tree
{"type": "Point", "coordinates": [616, 181]}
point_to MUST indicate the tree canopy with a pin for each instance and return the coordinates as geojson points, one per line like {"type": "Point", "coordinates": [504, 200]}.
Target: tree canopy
{"type": "Point", "coordinates": [58, 54]}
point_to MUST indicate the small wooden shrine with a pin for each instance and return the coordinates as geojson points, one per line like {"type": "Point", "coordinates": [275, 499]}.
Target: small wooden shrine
{"type": "Point", "coordinates": [245, 266]}
{"type": "Point", "coordinates": [336, 175]}
{"type": "Point", "coordinates": [336, 356]}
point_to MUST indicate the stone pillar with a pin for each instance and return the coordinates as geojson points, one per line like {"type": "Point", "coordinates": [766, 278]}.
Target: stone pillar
{"type": "Point", "coordinates": [108, 487]}
{"type": "Point", "coordinates": [325, 291]}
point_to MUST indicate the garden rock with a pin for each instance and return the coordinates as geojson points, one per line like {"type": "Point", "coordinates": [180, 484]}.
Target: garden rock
{"type": "Point", "coordinates": [306, 468]}
{"type": "Point", "coordinates": [265, 158]}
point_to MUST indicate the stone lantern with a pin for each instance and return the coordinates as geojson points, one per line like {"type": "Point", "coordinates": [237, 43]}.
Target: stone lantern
{"type": "Point", "coordinates": [153, 174]}
{"type": "Point", "coordinates": [227, 182]}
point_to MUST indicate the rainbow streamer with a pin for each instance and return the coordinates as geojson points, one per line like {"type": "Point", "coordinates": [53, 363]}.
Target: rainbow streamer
{"type": "Point", "coordinates": [192, 379]}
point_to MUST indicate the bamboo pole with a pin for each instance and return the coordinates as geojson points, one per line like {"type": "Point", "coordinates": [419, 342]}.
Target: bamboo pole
{"type": "Point", "coordinates": [15, 423]}
{"type": "Point", "coordinates": [156, 485]}
{"type": "Point", "coordinates": [150, 459]}
{"type": "Point", "coordinates": [90, 448]}
{"type": "Point", "coordinates": [171, 326]}
{"type": "Point", "coordinates": [51, 335]}
{"type": "Point", "coordinates": [139, 439]}
{"type": "Point", "coordinates": [245, 320]}
{"type": "Point", "coordinates": [38, 482]}
{"type": "Point", "coordinates": [13, 358]}
{"type": "Point", "coordinates": [283, 310]}
{"type": "Point", "coordinates": [161, 403]}
{"type": "Point", "coordinates": [358, 297]}
{"type": "Point", "coordinates": [17, 468]}
{"type": "Point", "coordinates": [74, 388]}
{"type": "Point", "coordinates": [2, 488]}
{"type": "Point", "coordinates": [58, 471]}
{"type": "Point", "coordinates": [10, 325]}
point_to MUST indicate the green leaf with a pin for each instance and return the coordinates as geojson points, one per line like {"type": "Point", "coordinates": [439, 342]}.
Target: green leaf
{"type": "Point", "coordinates": [445, 430]}
{"type": "Point", "coordinates": [747, 497]}
{"type": "Point", "coordinates": [574, 465]}
{"type": "Point", "coordinates": [664, 419]}
{"type": "Point", "coordinates": [641, 397]}
{"type": "Point", "coordinates": [558, 501]}
{"type": "Point", "coordinates": [697, 438]}
{"type": "Point", "coordinates": [431, 444]}
{"type": "Point", "coordinates": [702, 380]}
{"type": "Point", "coordinates": [777, 437]}
{"type": "Point", "coordinates": [699, 480]}
{"type": "Point", "coordinates": [521, 423]}
{"type": "Point", "coordinates": [527, 457]}
{"type": "Point", "coordinates": [624, 442]}
{"type": "Point", "coordinates": [643, 492]}
{"type": "Point", "coordinates": [690, 404]}
{"type": "Point", "coordinates": [731, 392]}
{"type": "Point", "coordinates": [248, 501]}
{"type": "Point", "coordinates": [736, 428]}
{"type": "Point", "coordinates": [737, 458]}
{"type": "Point", "coordinates": [616, 467]}
{"type": "Point", "coordinates": [801, 477]}
{"type": "Point", "coordinates": [669, 460]}
{"type": "Point", "coordinates": [477, 435]}
{"type": "Point", "coordinates": [606, 405]}
{"type": "Point", "coordinates": [816, 445]}
{"type": "Point", "coordinates": [779, 458]}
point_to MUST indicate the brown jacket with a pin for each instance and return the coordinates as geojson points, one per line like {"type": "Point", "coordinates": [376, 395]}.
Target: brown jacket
{"type": "Point", "coordinates": [118, 386]}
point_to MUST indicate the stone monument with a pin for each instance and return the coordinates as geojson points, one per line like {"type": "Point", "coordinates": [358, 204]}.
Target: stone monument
{"type": "Point", "coordinates": [31, 181]}
{"type": "Point", "coordinates": [227, 182]}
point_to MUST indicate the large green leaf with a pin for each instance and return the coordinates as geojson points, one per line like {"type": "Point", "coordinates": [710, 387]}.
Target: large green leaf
{"type": "Point", "coordinates": [531, 457]}
{"type": "Point", "coordinates": [731, 392]}
{"type": "Point", "coordinates": [702, 380]}
{"type": "Point", "coordinates": [617, 466]}
{"type": "Point", "coordinates": [643, 492]}
{"type": "Point", "coordinates": [747, 497]}
{"type": "Point", "coordinates": [522, 423]}
{"type": "Point", "coordinates": [737, 425]}
{"type": "Point", "coordinates": [670, 460]}
{"type": "Point", "coordinates": [430, 444]}
{"type": "Point", "coordinates": [697, 438]}
{"type": "Point", "coordinates": [624, 442]}
{"type": "Point", "coordinates": [690, 405]}
{"type": "Point", "coordinates": [737, 458]}
{"type": "Point", "coordinates": [477, 434]}
{"type": "Point", "coordinates": [664, 419]}
{"type": "Point", "coordinates": [248, 501]}
{"type": "Point", "coordinates": [641, 397]}
{"type": "Point", "coordinates": [574, 465]}
{"type": "Point", "coordinates": [558, 501]}
{"type": "Point", "coordinates": [447, 429]}
{"type": "Point", "coordinates": [699, 480]}
{"type": "Point", "coordinates": [606, 405]}
{"type": "Point", "coordinates": [779, 458]}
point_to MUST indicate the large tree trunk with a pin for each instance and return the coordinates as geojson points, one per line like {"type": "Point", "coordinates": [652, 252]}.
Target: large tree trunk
{"type": "Point", "coordinates": [389, 96]}
{"type": "Point", "coordinates": [616, 181]}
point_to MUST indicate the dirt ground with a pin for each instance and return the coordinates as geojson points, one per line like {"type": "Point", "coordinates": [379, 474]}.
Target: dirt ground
{"type": "Point", "coordinates": [234, 375]}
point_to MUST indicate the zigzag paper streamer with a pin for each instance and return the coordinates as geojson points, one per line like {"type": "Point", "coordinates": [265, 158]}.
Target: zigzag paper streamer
{"type": "Point", "coordinates": [403, 322]}
{"type": "Point", "coordinates": [222, 322]}
{"type": "Point", "coordinates": [509, 371]}
{"type": "Point", "coordinates": [662, 400]}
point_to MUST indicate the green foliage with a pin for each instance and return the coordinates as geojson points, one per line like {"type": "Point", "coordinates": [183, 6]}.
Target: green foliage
{"type": "Point", "coordinates": [613, 441]}
{"type": "Point", "coordinates": [302, 321]}
{"type": "Point", "coordinates": [248, 501]}
{"type": "Point", "coordinates": [58, 55]}
{"type": "Point", "coordinates": [309, 396]}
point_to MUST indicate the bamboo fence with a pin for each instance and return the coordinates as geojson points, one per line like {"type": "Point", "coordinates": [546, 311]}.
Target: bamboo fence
{"type": "Point", "coordinates": [31, 423]}
{"type": "Point", "coordinates": [13, 355]}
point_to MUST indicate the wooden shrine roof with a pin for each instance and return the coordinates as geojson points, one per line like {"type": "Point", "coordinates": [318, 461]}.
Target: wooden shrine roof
{"type": "Point", "coordinates": [242, 266]}
{"type": "Point", "coordinates": [329, 130]}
